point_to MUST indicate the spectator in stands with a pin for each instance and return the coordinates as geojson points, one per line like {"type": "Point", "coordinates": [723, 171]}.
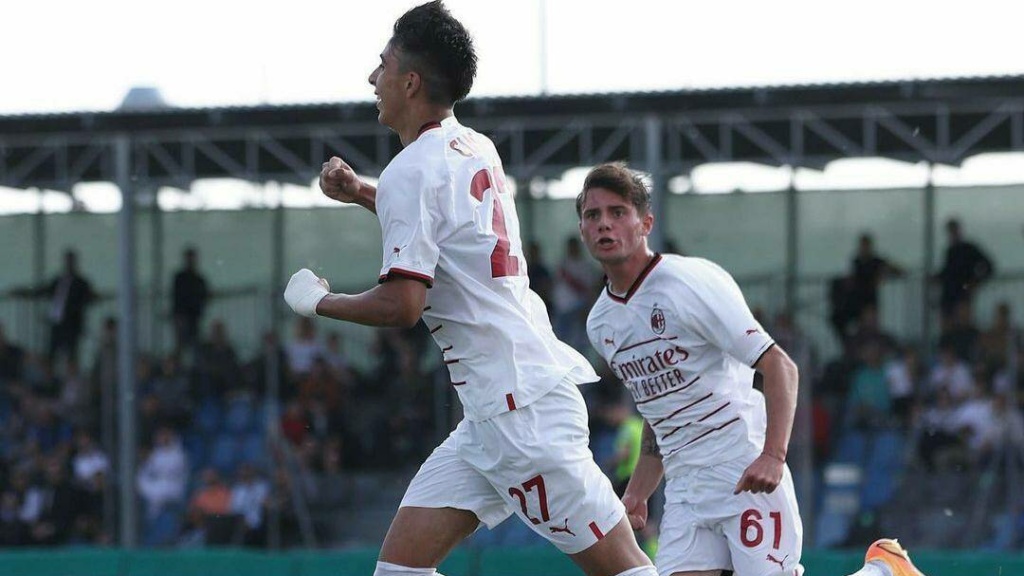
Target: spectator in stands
{"type": "Point", "coordinates": [89, 464]}
{"type": "Point", "coordinates": [12, 360]}
{"type": "Point", "coordinates": [189, 295]}
{"type": "Point", "coordinates": [163, 476]}
{"type": "Point", "coordinates": [951, 374]}
{"type": "Point", "coordinates": [541, 279]}
{"type": "Point", "coordinates": [869, 404]}
{"type": "Point", "coordinates": [576, 283]}
{"type": "Point", "coordinates": [76, 398]}
{"type": "Point", "coordinates": [960, 333]}
{"type": "Point", "coordinates": [1003, 434]}
{"type": "Point", "coordinates": [965, 268]}
{"type": "Point", "coordinates": [294, 423]}
{"type": "Point", "coordinates": [217, 365]}
{"type": "Point", "coordinates": [998, 346]}
{"type": "Point", "coordinates": [867, 271]}
{"type": "Point", "coordinates": [904, 376]}
{"type": "Point", "coordinates": [69, 295]}
{"type": "Point", "coordinates": [104, 366]}
{"type": "Point", "coordinates": [974, 420]}
{"type": "Point", "coordinates": [57, 506]}
{"type": "Point", "coordinates": [939, 443]}
{"type": "Point", "coordinates": [12, 529]}
{"type": "Point", "coordinates": [249, 496]}
{"type": "Point", "coordinates": [271, 357]}
{"type": "Point", "coordinates": [338, 362]}
{"type": "Point", "coordinates": [213, 497]}
{"type": "Point", "coordinates": [868, 331]}
{"type": "Point", "coordinates": [304, 348]}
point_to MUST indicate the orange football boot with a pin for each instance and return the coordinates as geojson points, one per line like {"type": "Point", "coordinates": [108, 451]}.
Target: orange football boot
{"type": "Point", "coordinates": [889, 552]}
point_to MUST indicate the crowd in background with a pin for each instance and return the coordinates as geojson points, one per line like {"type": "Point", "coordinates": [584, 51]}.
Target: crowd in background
{"type": "Point", "coordinates": [213, 469]}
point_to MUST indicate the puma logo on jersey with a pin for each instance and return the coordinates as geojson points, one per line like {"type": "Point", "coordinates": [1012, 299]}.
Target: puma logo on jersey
{"type": "Point", "coordinates": [396, 250]}
{"type": "Point", "coordinates": [753, 331]}
{"type": "Point", "coordinates": [609, 342]}
{"type": "Point", "coordinates": [777, 561]}
{"type": "Point", "coordinates": [563, 529]}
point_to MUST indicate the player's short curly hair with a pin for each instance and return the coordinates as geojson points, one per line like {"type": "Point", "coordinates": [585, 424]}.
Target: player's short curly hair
{"type": "Point", "coordinates": [618, 178]}
{"type": "Point", "coordinates": [434, 44]}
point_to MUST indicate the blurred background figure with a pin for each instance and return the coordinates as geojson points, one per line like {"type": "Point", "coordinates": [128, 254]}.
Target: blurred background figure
{"type": "Point", "coordinates": [189, 295]}
{"type": "Point", "coordinates": [964, 268]}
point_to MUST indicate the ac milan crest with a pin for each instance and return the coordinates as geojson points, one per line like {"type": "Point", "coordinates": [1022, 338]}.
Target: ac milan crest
{"type": "Point", "coordinates": [657, 320]}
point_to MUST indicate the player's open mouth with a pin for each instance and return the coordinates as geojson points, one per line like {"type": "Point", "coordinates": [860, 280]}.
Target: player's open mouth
{"type": "Point", "coordinates": [605, 242]}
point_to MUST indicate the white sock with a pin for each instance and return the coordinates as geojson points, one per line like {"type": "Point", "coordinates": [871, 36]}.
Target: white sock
{"type": "Point", "coordinates": [640, 571]}
{"type": "Point", "coordinates": [389, 569]}
{"type": "Point", "coordinates": [873, 569]}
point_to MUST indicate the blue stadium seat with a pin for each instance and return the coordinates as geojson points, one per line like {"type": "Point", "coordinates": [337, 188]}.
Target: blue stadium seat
{"type": "Point", "coordinates": [254, 451]}
{"type": "Point", "coordinates": [240, 416]}
{"type": "Point", "coordinates": [163, 530]}
{"type": "Point", "coordinates": [208, 416]}
{"type": "Point", "coordinates": [224, 454]}
{"type": "Point", "coordinates": [195, 447]}
{"type": "Point", "coordinates": [884, 464]}
{"type": "Point", "coordinates": [852, 448]}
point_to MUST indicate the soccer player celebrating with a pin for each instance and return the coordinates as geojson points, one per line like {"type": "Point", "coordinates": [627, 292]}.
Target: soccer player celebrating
{"type": "Point", "coordinates": [453, 256]}
{"type": "Point", "coordinates": [678, 333]}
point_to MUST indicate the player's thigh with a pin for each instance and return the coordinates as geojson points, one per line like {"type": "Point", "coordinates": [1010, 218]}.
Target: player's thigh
{"type": "Point", "coordinates": [537, 458]}
{"type": "Point", "coordinates": [443, 504]}
{"type": "Point", "coordinates": [617, 552]}
{"type": "Point", "coordinates": [765, 532]}
{"type": "Point", "coordinates": [423, 537]}
{"type": "Point", "coordinates": [686, 545]}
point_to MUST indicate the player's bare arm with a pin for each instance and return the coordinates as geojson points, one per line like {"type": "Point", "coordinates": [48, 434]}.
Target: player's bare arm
{"type": "Point", "coordinates": [397, 302]}
{"type": "Point", "coordinates": [339, 182]}
{"type": "Point", "coordinates": [645, 479]}
{"type": "Point", "coordinates": [781, 379]}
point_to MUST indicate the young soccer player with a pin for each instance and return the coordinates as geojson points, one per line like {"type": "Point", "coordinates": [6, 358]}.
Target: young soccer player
{"type": "Point", "coordinates": [679, 335]}
{"type": "Point", "coordinates": [453, 257]}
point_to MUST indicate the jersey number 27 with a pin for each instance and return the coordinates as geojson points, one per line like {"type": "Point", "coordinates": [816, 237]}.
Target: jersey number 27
{"type": "Point", "coordinates": [503, 263]}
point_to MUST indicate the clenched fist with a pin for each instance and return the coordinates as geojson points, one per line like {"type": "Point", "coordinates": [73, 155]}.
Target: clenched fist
{"type": "Point", "coordinates": [304, 291]}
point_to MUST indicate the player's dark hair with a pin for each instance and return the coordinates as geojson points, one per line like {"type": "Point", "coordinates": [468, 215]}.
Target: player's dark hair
{"type": "Point", "coordinates": [618, 178]}
{"type": "Point", "coordinates": [439, 48]}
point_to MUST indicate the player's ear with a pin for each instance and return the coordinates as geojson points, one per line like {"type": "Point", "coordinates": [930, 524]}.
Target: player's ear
{"type": "Point", "coordinates": [413, 83]}
{"type": "Point", "coordinates": [647, 223]}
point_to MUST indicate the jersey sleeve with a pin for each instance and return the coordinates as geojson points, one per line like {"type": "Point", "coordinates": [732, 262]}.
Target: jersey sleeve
{"type": "Point", "coordinates": [720, 314]}
{"type": "Point", "coordinates": [409, 221]}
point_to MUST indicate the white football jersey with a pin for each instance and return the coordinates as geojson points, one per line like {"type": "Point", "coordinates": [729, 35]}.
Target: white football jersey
{"type": "Point", "coordinates": [449, 220]}
{"type": "Point", "coordinates": [683, 341]}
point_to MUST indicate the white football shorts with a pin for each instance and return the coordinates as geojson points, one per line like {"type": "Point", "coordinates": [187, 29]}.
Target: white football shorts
{"type": "Point", "coordinates": [706, 527]}
{"type": "Point", "coordinates": [533, 461]}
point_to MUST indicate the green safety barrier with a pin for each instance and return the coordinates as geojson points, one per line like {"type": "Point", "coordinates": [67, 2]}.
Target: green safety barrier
{"type": "Point", "coordinates": [539, 561]}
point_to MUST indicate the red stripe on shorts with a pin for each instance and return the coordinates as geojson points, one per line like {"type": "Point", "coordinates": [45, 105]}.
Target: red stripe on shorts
{"type": "Point", "coordinates": [597, 531]}
{"type": "Point", "coordinates": [510, 401]}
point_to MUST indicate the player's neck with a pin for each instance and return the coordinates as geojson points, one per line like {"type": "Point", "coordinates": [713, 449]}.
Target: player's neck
{"type": "Point", "coordinates": [420, 118]}
{"type": "Point", "coordinates": [621, 275]}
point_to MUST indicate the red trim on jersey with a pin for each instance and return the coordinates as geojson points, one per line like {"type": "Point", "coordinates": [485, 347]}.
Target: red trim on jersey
{"type": "Point", "coordinates": [690, 405]}
{"type": "Point", "coordinates": [458, 383]}
{"type": "Point", "coordinates": [716, 429]}
{"type": "Point", "coordinates": [717, 410]}
{"type": "Point", "coordinates": [456, 361]}
{"type": "Point", "coordinates": [631, 346]}
{"type": "Point", "coordinates": [511, 401]}
{"type": "Point", "coordinates": [425, 308]}
{"type": "Point", "coordinates": [428, 126]}
{"type": "Point", "coordinates": [447, 348]}
{"type": "Point", "coordinates": [406, 274]}
{"type": "Point", "coordinates": [597, 531]}
{"type": "Point", "coordinates": [636, 283]}
{"type": "Point", "coordinates": [432, 330]}
{"type": "Point", "coordinates": [680, 389]}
